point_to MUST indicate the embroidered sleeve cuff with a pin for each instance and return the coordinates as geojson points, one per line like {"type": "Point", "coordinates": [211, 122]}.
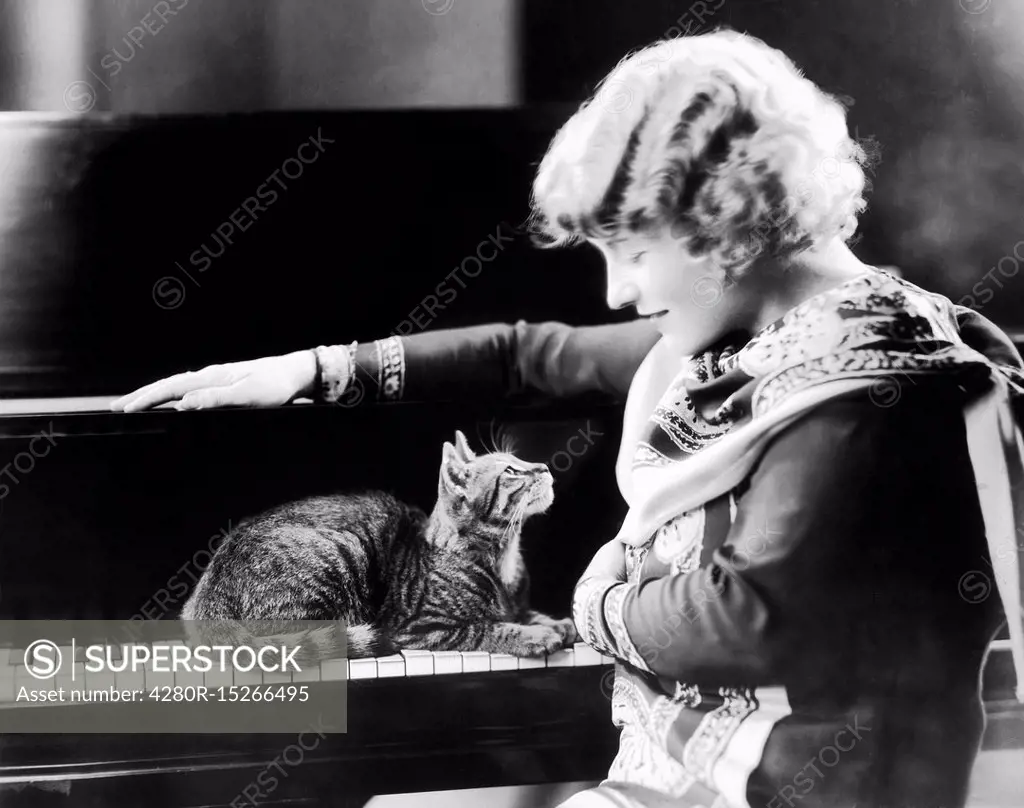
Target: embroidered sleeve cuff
{"type": "Point", "coordinates": [391, 369]}
{"type": "Point", "coordinates": [616, 622]}
{"type": "Point", "coordinates": [588, 613]}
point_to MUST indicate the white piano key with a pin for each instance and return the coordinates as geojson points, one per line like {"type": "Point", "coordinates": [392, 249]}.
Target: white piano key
{"type": "Point", "coordinates": [100, 680]}
{"type": "Point", "coordinates": [127, 680]}
{"type": "Point", "coordinates": [447, 662]}
{"type": "Point", "coordinates": [47, 684]}
{"type": "Point", "coordinates": [309, 673]}
{"type": "Point", "coordinates": [504, 662]}
{"type": "Point", "coordinates": [189, 679]}
{"type": "Point", "coordinates": [530, 663]}
{"type": "Point", "coordinates": [5, 657]}
{"type": "Point", "coordinates": [215, 677]}
{"type": "Point", "coordinates": [22, 678]}
{"type": "Point", "coordinates": [159, 678]}
{"type": "Point", "coordinates": [71, 682]}
{"type": "Point", "coordinates": [248, 678]}
{"type": "Point", "coordinates": [585, 655]}
{"type": "Point", "coordinates": [362, 669]}
{"type": "Point", "coordinates": [334, 670]}
{"type": "Point", "coordinates": [7, 691]}
{"type": "Point", "coordinates": [165, 650]}
{"type": "Point", "coordinates": [475, 661]}
{"type": "Point", "coordinates": [391, 666]}
{"type": "Point", "coordinates": [276, 678]}
{"type": "Point", "coordinates": [563, 658]}
{"type": "Point", "coordinates": [418, 663]}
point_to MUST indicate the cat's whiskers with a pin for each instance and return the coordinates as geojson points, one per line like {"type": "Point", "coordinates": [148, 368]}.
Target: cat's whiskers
{"type": "Point", "coordinates": [508, 442]}
{"type": "Point", "coordinates": [493, 447]}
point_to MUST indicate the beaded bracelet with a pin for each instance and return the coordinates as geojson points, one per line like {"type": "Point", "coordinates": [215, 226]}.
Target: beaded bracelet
{"type": "Point", "coordinates": [335, 369]}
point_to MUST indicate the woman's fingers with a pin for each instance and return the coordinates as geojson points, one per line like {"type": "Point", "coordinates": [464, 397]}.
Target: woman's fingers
{"type": "Point", "coordinates": [169, 389]}
{"type": "Point", "coordinates": [238, 394]}
{"type": "Point", "coordinates": [156, 393]}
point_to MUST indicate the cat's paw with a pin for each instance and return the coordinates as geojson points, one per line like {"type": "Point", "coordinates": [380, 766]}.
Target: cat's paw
{"type": "Point", "coordinates": [536, 641]}
{"type": "Point", "coordinates": [565, 625]}
{"type": "Point", "coordinates": [566, 629]}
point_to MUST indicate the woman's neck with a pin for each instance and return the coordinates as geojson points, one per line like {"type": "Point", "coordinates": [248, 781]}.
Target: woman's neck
{"type": "Point", "coordinates": [778, 288]}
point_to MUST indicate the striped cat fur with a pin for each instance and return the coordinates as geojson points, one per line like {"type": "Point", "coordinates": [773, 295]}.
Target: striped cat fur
{"type": "Point", "coordinates": [389, 575]}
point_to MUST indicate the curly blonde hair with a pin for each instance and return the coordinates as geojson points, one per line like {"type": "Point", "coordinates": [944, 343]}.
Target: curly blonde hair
{"type": "Point", "coordinates": [717, 137]}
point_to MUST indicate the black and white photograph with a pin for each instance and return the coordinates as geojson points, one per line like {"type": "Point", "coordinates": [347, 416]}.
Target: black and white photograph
{"type": "Point", "coordinates": [511, 404]}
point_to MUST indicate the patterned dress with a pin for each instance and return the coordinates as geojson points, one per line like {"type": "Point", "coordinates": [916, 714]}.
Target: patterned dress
{"type": "Point", "coordinates": [802, 635]}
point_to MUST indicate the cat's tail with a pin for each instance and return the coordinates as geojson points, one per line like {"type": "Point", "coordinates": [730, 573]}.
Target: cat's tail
{"type": "Point", "coordinates": [333, 641]}
{"type": "Point", "coordinates": [367, 641]}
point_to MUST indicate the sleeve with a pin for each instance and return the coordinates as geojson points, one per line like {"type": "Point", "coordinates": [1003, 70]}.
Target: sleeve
{"type": "Point", "coordinates": [739, 619]}
{"type": "Point", "coordinates": [496, 361]}
{"type": "Point", "coordinates": [988, 339]}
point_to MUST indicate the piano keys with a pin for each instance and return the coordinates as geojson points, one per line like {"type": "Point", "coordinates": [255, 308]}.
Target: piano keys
{"type": "Point", "coordinates": [414, 663]}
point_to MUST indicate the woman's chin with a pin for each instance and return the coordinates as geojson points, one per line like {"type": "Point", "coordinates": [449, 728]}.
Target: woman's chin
{"type": "Point", "coordinates": [682, 344]}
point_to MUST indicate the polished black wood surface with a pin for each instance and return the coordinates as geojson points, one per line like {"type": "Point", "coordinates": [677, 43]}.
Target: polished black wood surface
{"type": "Point", "coordinates": [415, 734]}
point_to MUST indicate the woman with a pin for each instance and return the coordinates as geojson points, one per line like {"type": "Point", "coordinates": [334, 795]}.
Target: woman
{"type": "Point", "coordinates": [815, 452]}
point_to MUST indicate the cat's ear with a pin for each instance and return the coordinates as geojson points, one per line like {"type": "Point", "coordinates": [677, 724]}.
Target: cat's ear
{"type": "Point", "coordinates": [462, 445]}
{"type": "Point", "coordinates": [449, 455]}
{"type": "Point", "coordinates": [453, 470]}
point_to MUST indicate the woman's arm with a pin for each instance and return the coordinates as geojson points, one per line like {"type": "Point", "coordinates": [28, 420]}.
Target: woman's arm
{"type": "Point", "coordinates": [495, 361]}
{"type": "Point", "coordinates": [829, 534]}
{"type": "Point", "coordinates": [490, 361]}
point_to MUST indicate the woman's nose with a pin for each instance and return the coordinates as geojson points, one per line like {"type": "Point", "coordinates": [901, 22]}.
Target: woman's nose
{"type": "Point", "coordinates": [622, 291]}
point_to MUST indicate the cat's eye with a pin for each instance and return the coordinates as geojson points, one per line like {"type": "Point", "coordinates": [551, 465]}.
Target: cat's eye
{"type": "Point", "coordinates": [514, 472]}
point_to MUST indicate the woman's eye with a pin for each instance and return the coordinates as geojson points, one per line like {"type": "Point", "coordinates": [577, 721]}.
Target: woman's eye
{"type": "Point", "coordinates": [635, 257]}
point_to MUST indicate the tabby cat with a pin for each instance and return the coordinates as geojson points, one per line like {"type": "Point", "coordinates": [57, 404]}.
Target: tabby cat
{"type": "Point", "coordinates": [399, 579]}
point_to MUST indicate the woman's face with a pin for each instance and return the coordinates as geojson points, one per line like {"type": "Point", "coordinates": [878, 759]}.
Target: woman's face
{"type": "Point", "coordinates": [691, 301]}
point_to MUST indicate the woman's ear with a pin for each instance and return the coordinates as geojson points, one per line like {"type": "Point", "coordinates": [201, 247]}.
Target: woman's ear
{"type": "Point", "coordinates": [462, 445]}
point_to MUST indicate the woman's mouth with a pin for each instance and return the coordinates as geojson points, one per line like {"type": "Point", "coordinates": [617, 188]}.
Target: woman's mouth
{"type": "Point", "coordinates": [655, 316]}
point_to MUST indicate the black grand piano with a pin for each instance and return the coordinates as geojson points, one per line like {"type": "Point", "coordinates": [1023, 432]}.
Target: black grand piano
{"type": "Point", "coordinates": [99, 218]}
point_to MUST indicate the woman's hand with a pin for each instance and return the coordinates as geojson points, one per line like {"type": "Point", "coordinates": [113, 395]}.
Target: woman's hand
{"type": "Point", "coordinates": [265, 382]}
{"type": "Point", "coordinates": [608, 562]}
